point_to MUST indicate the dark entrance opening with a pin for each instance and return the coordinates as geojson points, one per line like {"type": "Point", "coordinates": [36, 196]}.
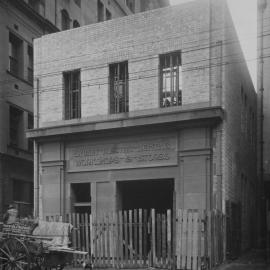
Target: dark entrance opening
{"type": "Point", "coordinates": [81, 197]}
{"type": "Point", "coordinates": [146, 194]}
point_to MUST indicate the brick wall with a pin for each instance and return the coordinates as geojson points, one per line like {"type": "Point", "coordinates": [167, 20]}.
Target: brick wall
{"type": "Point", "coordinates": [138, 38]}
{"type": "Point", "coordinates": [238, 134]}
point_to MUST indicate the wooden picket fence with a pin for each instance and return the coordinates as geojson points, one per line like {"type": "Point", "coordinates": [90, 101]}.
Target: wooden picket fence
{"type": "Point", "coordinates": [188, 240]}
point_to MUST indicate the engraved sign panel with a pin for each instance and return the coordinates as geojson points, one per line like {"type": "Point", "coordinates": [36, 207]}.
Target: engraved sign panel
{"type": "Point", "coordinates": [143, 152]}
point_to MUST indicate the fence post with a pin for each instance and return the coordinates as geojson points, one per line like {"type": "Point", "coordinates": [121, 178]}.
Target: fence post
{"type": "Point", "coordinates": [153, 230]}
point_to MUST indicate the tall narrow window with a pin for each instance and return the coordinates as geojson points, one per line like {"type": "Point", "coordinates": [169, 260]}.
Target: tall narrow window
{"type": "Point", "coordinates": [131, 5]}
{"type": "Point", "coordinates": [15, 124]}
{"type": "Point", "coordinates": [15, 51]}
{"type": "Point", "coordinates": [30, 64]}
{"type": "Point", "coordinates": [42, 8]}
{"type": "Point", "coordinates": [171, 79]}
{"type": "Point", "coordinates": [65, 20]}
{"type": "Point", "coordinates": [72, 86]}
{"type": "Point", "coordinates": [108, 15]}
{"type": "Point", "coordinates": [100, 10]}
{"type": "Point", "coordinates": [119, 87]}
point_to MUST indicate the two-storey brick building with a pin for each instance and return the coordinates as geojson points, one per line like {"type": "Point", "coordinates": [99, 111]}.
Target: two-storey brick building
{"type": "Point", "coordinates": [154, 110]}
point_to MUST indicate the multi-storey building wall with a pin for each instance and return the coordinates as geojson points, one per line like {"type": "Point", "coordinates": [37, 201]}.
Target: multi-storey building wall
{"type": "Point", "coordinates": [22, 22]}
{"type": "Point", "coordinates": [163, 107]}
{"type": "Point", "coordinates": [263, 82]}
{"type": "Point", "coordinates": [18, 27]}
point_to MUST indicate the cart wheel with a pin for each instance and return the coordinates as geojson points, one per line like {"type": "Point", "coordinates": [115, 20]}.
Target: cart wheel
{"type": "Point", "coordinates": [14, 255]}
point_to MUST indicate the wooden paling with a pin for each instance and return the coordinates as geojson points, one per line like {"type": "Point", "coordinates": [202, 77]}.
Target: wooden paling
{"type": "Point", "coordinates": [183, 239]}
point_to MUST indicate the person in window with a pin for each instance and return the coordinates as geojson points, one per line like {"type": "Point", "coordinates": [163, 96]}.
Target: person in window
{"type": "Point", "coordinates": [11, 215]}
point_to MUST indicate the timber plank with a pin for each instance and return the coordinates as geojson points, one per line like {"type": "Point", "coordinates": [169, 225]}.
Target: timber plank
{"type": "Point", "coordinates": [140, 238]}
{"type": "Point", "coordinates": [184, 241]}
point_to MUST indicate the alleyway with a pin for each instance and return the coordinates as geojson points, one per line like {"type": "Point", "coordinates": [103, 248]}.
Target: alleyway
{"type": "Point", "coordinates": [254, 260]}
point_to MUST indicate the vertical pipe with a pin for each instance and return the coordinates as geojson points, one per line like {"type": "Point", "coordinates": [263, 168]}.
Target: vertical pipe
{"type": "Point", "coordinates": [36, 153]}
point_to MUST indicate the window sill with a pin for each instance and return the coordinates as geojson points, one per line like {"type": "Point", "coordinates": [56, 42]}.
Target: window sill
{"type": "Point", "coordinates": [19, 78]}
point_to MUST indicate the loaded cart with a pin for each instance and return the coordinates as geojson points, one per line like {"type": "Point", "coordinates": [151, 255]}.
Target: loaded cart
{"type": "Point", "coordinates": [27, 245]}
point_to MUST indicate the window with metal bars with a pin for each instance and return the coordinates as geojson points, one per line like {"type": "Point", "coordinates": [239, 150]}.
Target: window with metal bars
{"type": "Point", "coordinates": [171, 79]}
{"type": "Point", "coordinates": [119, 87]}
{"type": "Point", "coordinates": [72, 88]}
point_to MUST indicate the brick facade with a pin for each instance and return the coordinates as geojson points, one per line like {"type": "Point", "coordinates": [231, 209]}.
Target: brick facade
{"type": "Point", "coordinates": [214, 76]}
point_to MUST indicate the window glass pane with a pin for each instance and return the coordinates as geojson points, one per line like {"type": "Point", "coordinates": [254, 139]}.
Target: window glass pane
{"type": "Point", "coordinates": [171, 79]}
{"type": "Point", "coordinates": [72, 94]}
{"type": "Point", "coordinates": [15, 45]}
{"type": "Point", "coordinates": [119, 87]}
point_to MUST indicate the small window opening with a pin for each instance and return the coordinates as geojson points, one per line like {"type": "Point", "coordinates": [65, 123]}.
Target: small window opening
{"type": "Point", "coordinates": [81, 197]}
{"type": "Point", "coordinates": [108, 15]}
{"type": "Point", "coordinates": [76, 24]}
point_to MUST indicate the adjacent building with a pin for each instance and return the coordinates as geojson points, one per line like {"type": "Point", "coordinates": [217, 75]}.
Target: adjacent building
{"type": "Point", "coordinates": [22, 22]}
{"type": "Point", "coordinates": [154, 110]}
{"type": "Point", "coordinates": [264, 121]}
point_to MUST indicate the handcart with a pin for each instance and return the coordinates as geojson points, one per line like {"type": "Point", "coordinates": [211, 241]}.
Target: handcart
{"type": "Point", "coordinates": [26, 246]}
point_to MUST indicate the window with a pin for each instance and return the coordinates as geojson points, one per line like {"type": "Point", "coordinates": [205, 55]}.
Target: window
{"type": "Point", "coordinates": [119, 87]}
{"type": "Point", "coordinates": [38, 6]}
{"type": "Point", "coordinates": [23, 197]}
{"type": "Point", "coordinates": [78, 2]}
{"type": "Point", "coordinates": [76, 24]}
{"type": "Point", "coordinates": [171, 80]}
{"type": "Point", "coordinates": [30, 64]}
{"type": "Point", "coordinates": [30, 125]}
{"type": "Point", "coordinates": [42, 8]}
{"type": "Point", "coordinates": [15, 54]}
{"type": "Point", "coordinates": [100, 14]}
{"type": "Point", "coordinates": [131, 5]}
{"type": "Point", "coordinates": [22, 191]}
{"type": "Point", "coordinates": [15, 124]}
{"type": "Point", "coordinates": [72, 87]}
{"type": "Point", "coordinates": [65, 20]}
{"type": "Point", "coordinates": [108, 15]}
{"type": "Point", "coordinates": [34, 4]}
{"type": "Point", "coordinates": [81, 197]}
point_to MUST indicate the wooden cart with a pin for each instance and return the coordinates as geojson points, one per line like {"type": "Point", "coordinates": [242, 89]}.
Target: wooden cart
{"type": "Point", "coordinates": [21, 250]}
